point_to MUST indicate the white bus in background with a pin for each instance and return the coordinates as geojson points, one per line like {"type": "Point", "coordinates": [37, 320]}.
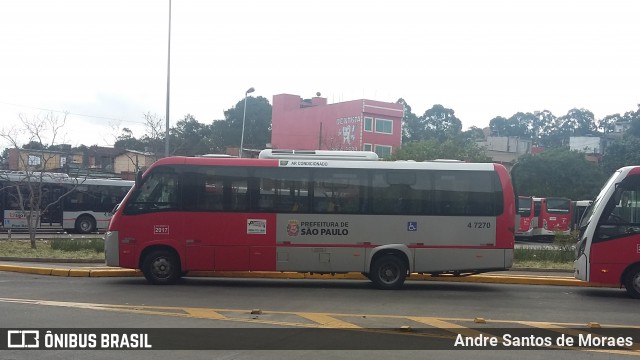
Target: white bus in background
{"type": "Point", "coordinates": [85, 206]}
{"type": "Point", "coordinates": [579, 208]}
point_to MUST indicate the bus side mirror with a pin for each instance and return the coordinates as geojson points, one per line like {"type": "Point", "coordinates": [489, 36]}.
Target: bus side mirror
{"type": "Point", "coordinates": [138, 178]}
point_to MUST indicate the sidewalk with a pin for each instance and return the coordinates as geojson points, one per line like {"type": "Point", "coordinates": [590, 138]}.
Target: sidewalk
{"type": "Point", "coordinates": [518, 276]}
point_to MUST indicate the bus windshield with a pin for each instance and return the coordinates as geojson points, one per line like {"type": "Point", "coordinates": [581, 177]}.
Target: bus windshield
{"type": "Point", "coordinates": [586, 218]}
{"type": "Point", "coordinates": [558, 206]}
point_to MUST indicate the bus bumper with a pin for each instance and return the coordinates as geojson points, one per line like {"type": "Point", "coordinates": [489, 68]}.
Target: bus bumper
{"type": "Point", "coordinates": [111, 250]}
{"type": "Point", "coordinates": [508, 258]}
{"type": "Point", "coordinates": [580, 268]}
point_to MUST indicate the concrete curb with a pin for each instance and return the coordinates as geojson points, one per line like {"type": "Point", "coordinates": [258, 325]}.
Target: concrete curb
{"type": "Point", "coordinates": [70, 272]}
{"type": "Point", "coordinates": [118, 272]}
{"type": "Point", "coordinates": [52, 260]}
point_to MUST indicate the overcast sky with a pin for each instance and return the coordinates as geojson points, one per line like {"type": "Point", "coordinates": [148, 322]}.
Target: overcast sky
{"type": "Point", "coordinates": [105, 61]}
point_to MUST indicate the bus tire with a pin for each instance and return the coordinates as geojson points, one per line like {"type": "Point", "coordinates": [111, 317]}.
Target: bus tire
{"type": "Point", "coordinates": [388, 272]}
{"type": "Point", "coordinates": [85, 224]}
{"type": "Point", "coordinates": [161, 267]}
{"type": "Point", "coordinates": [632, 282]}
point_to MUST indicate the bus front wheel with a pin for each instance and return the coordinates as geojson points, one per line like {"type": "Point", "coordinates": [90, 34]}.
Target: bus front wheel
{"type": "Point", "coordinates": [632, 282]}
{"type": "Point", "coordinates": [388, 272]}
{"type": "Point", "coordinates": [161, 267]}
{"type": "Point", "coordinates": [85, 224]}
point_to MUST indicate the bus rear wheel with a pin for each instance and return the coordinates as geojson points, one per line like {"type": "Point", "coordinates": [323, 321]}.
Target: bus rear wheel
{"type": "Point", "coordinates": [85, 224]}
{"type": "Point", "coordinates": [632, 282]}
{"type": "Point", "coordinates": [161, 267]}
{"type": "Point", "coordinates": [388, 272]}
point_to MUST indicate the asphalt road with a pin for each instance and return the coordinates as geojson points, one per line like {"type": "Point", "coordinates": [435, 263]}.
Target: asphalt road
{"type": "Point", "coordinates": [37, 301]}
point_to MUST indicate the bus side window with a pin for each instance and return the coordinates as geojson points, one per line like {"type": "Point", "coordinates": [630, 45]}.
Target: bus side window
{"type": "Point", "coordinates": [212, 194]}
{"type": "Point", "coordinates": [158, 192]}
{"type": "Point", "coordinates": [620, 216]}
{"type": "Point", "coordinates": [338, 191]}
{"type": "Point", "coordinates": [450, 193]}
{"type": "Point", "coordinates": [625, 210]}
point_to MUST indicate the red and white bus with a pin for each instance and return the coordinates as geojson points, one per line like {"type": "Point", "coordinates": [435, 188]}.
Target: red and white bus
{"type": "Point", "coordinates": [383, 219]}
{"type": "Point", "coordinates": [527, 221]}
{"type": "Point", "coordinates": [553, 216]}
{"type": "Point", "coordinates": [608, 251]}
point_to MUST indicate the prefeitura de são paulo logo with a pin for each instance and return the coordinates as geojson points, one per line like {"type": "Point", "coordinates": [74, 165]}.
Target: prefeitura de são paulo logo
{"type": "Point", "coordinates": [293, 228]}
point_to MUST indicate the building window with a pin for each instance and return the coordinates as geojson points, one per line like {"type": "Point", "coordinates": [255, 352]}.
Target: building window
{"type": "Point", "coordinates": [384, 126]}
{"type": "Point", "coordinates": [34, 160]}
{"type": "Point", "coordinates": [367, 147]}
{"type": "Point", "coordinates": [368, 124]}
{"type": "Point", "coordinates": [383, 151]}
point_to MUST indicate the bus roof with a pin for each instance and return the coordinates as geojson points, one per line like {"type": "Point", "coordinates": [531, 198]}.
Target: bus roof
{"type": "Point", "coordinates": [59, 178]}
{"type": "Point", "coordinates": [326, 163]}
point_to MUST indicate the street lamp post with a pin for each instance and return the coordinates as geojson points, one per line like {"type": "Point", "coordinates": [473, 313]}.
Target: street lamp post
{"type": "Point", "coordinates": [244, 115]}
{"type": "Point", "coordinates": [166, 134]}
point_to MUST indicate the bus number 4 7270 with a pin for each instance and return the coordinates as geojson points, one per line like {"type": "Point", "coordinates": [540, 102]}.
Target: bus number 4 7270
{"type": "Point", "coordinates": [479, 225]}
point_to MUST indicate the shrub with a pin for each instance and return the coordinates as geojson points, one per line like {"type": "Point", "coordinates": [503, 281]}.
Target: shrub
{"type": "Point", "coordinates": [561, 254]}
{"type": "Point", "coordinates": [562, 240]}
{"type": "Point", "coordinates": [561, 251]}
{"type": "Point", "coordinates": [78, 244]}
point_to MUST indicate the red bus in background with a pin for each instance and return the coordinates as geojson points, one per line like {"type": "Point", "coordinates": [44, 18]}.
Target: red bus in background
{"type": "Point", "coordinates": [553, 215]}
{"type": "Point", "coordinates": [309, 213]}
{"type": "Point", "coordinates": [527, 221]}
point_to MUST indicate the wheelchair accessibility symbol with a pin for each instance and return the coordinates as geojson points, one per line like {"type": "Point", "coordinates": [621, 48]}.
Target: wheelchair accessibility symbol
{"type": "Point", "coordinates": [412, 226]}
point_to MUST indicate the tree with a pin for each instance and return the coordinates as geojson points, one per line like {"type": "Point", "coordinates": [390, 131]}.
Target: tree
{"type": "Point", "coordinates": [607, 124]}
{"type": "Point", "coordinates": [557, 172]}
{"type": "Point", "coordinates": [472, 134]}
{"type": "Point", "coordinates": [545, 123]}
{"type": "Point", "coordinates": [633, 117]}
{"type": "Point", "coordinates": [34, 145]}
{"type": "Point", "coordinates": [126, 141]}
{"type": "Point", "coordinates": [123, 139]}
{"type": "Point", "coordinates": [192, 137]}
{"type": "Point", "coordinates": [154, 136]}
{"type": "Point", "coordinates": [29, 190]}
{"type": "Point", "coordinates": [522, 122]}
{"type": "Point", "coordinates": [577, 122]}
{"type": "Point", "coordinates": [257, 124]}
{"type": "Point", "coordinates": [623, 152]}
{"type": "Point", "coordinates": [4, 159]}
{"type": "Point", "coordinates": [433, 149]}
{"type": "Point", "coordinates": [499, 126]}
{"type": "Point", "coordinates": [220, 136]}
{"type": "Point", "coordinates": [440, 123]}
{"type": "Point", "coordinates": [523, 125]}
{"type": "Point", "coordinates": [411, 128]}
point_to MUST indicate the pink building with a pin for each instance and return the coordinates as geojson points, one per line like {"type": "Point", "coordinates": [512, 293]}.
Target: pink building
{"type": "Point", "coordinates": [352, 125]}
